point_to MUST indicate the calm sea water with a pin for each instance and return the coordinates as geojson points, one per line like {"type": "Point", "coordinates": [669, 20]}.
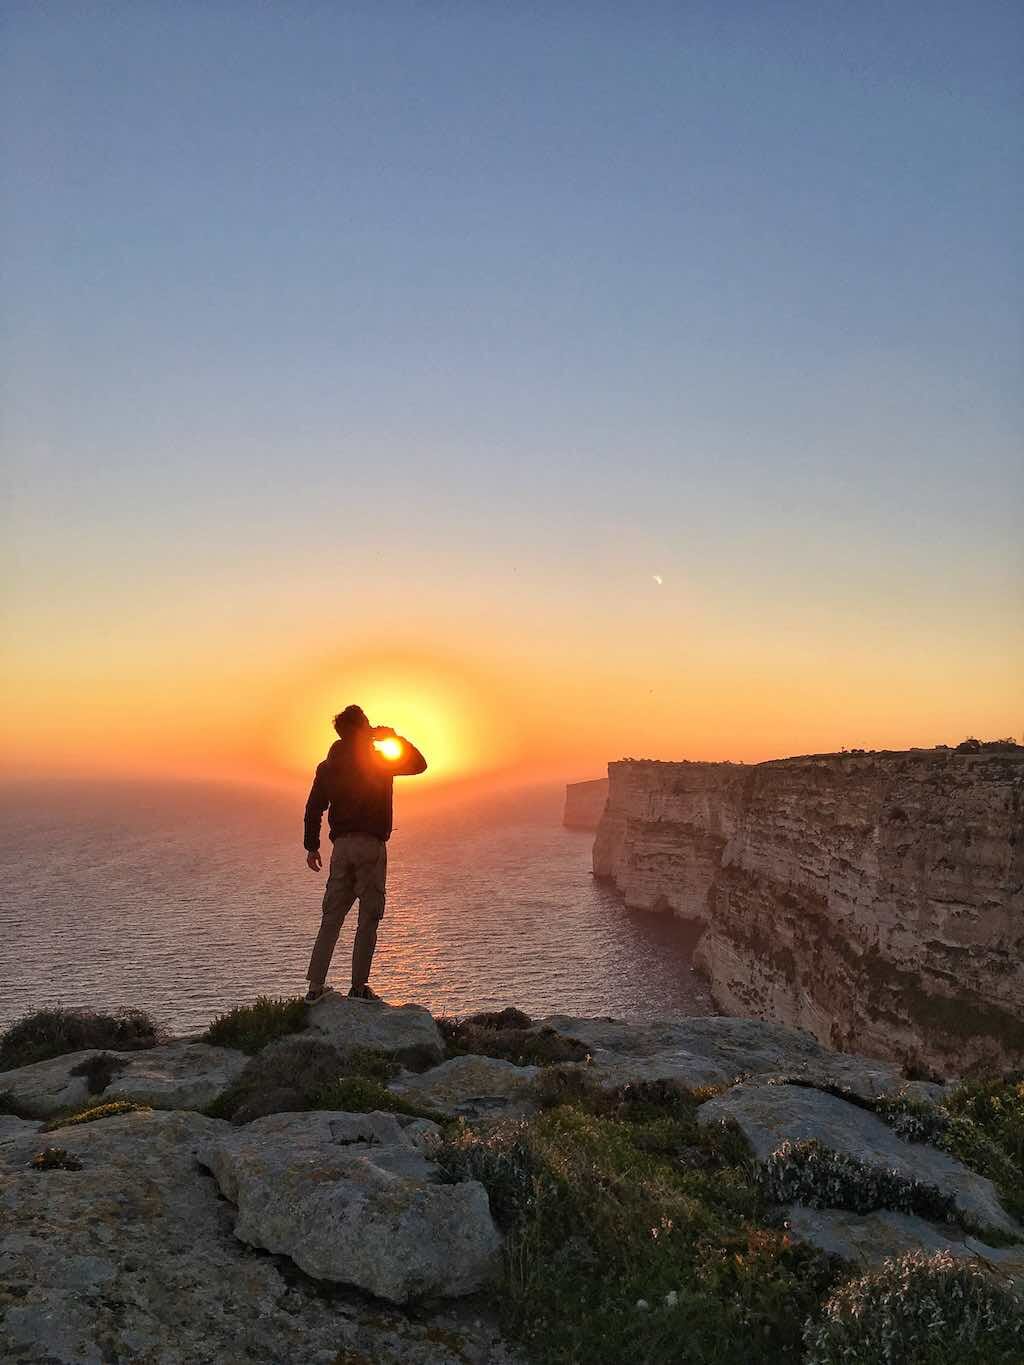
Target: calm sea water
{"type": "Point", "coordinates": [188, 900]}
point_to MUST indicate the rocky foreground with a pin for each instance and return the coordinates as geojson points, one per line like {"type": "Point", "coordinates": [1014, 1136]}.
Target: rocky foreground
{"type": "Point", "coordinates": [157, 1232]}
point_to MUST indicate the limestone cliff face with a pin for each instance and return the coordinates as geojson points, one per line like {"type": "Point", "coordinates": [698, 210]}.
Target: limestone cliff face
{"type": "Point", "coordinates": [876, 900]}
{"type": "Point", "coordinates": [584, 803]}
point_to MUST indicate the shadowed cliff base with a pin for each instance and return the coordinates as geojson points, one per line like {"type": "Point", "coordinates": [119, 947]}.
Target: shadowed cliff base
{"type": "Point", "coordinates": [875, 898]}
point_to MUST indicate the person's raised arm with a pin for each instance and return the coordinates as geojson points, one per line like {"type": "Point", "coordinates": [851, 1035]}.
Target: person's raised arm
{"type": "Point", "coordinates": [406, 762]}
{"type": "Point", "coordinates": [319, 800]}
{"type": "Point", "coordinates": [410, 761]}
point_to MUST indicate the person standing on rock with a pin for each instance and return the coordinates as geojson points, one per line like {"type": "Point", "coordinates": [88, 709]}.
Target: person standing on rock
{"type": "Point", "coordinates": [354, 784]}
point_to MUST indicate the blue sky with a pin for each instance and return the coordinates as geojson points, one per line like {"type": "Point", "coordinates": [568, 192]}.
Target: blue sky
{"type": "Point", "coordinates": [731, 292]}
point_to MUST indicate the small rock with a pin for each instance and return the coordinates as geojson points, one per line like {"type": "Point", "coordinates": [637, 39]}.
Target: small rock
{"type": "Point", "coordinates": [470, 1086]}
{"type": "Point", "coordinates": [407, 1033]}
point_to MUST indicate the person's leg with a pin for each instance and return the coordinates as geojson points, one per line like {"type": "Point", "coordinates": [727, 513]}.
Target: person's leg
{"type": "Point", "coordinates": [370, 877]}
{"type": "Point", "coordinates": [338, 899]}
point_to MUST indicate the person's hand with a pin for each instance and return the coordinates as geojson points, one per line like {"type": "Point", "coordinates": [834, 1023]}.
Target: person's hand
{"type": "Point", "coordinates": [313, 861]}
{"type": "Point", "coordinates": [383, 732]}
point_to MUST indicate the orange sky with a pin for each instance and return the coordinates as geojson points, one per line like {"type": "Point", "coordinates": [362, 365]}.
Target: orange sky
{"type": "Point", "coordinates": [538, 695]}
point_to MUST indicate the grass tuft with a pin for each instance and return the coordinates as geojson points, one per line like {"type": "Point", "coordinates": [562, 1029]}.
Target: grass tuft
{"type": "Point", "coordinates": [55, 1032]}
{"type": "Point", "coordinates": [248, 1028]}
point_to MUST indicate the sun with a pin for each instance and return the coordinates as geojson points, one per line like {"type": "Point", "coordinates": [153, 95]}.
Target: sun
{"type": "Point", "coordinates": [449, 712]}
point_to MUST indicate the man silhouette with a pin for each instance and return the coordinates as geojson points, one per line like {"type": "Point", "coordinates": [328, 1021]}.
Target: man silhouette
{"type": "Point", "coordinates": [354, 784]}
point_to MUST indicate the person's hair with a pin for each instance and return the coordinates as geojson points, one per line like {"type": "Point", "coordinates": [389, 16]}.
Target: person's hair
{"type": "Point", "coordinates": [352, 718]}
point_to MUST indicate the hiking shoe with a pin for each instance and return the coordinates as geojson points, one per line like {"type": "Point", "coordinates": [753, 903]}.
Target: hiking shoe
{"type": "Point", "coordinates": [316, 993]}
{"type": "Point", "coordinates": [363, 993]}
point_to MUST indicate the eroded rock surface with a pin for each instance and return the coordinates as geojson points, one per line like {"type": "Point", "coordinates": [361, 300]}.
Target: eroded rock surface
{"type": "Point", "coordinates": [876, 900]}
{"type": "Point", "coordinates": [353, 1199]}
{"type": "Point", "coordinates": [133, 1258]}
{"type": "Point", "coordinates": [868, 1239]}
{"type": "Point", "coordinates": [177, 1075]}
{"type": "Point", "coordinates": [471, 1087]}
{"type": "Point", "coordinates": [407, 1033]}
{"type": "Point", "coordinates": [716, 1051]}
{"type": "Point", "coordinates": [770, 1115]}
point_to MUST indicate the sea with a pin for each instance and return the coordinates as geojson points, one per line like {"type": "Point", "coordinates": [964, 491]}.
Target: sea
{"type": "Point", "coordinates": [187, 900]}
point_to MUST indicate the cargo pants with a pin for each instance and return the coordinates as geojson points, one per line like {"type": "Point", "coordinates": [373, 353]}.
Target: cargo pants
{"type": "Point", "coordinates": [359, 868]}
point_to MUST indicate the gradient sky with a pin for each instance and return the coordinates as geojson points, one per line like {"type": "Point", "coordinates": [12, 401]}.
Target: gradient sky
{"type": "Point", "coordinates": [387, 352]}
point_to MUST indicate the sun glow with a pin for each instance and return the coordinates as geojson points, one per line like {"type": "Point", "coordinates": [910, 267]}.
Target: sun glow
{"type": "Point", "coordinates": [442, 707]}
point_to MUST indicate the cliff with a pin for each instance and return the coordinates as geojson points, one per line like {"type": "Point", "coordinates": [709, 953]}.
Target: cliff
{"type": "Point", "coordinates": [584, 803]}
{"type": "Point", "coordinates": [874, 899]}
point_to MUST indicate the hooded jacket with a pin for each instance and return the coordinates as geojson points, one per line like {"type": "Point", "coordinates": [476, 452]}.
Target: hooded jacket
{"type": "Point", "coordinates": [355, 785]}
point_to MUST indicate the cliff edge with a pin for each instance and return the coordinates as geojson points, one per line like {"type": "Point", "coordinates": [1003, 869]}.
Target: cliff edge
{"type": "Point", "coordinates": [585, 803]}
{"type": "Point", "coordinates": [873, 899]}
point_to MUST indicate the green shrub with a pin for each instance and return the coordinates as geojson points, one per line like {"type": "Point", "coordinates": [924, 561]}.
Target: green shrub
{"type": "Point", "coordinates": [55, 1159]}
{"type": "Point", "coordinates": [290, 1076]}
{"type": "Point", "coordinates": [919, 1310]}
{"type": "Point", "coordinates": [986, 1132]}
{"type": "Point", "coordinates": [280, 1079]}
{"type": "Point", "coordinates": [248, 1028]}
{"type": "Point", "coordinates": [603, 1210]}
{"type": "Point", "coordinates": [361, 1095]}
{"type": "Point", "coordinates": [512, 1036]}
{"type": "Point", "coordinates": [502, 1160]}
{"type": "Point", "coordinates": [112, 1109]}
{"type": "Point", "coordinates": [913, 1120]}
{"type": "Point", "coordinates": [808, 1173]}
{"type": "Point", "coordinates": [54, 1032]}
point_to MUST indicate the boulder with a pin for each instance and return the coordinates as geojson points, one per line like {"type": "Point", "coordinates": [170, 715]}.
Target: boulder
{"type": "Point", "coordinates": [406, 1033]}
{"type": "Point", "coordinates": [471, 1087]}
{"type": "Point", "coordinates": [352, 1198]}
{"type": "Point", "coordinates": [867, 1239]}
{"type": "Point", "coordinates": [715, 1050]}
{"type": "Point", "coordinates": [770, 1115]}
{"type": "Point", "coordinates": [173, 1076]}
{"type": "Point", "coordinates": [178, 1075]}
{"type": "Point", "coordinates": [132, 1258]}
{"type": "Point", "coordinates": [46, 1088]}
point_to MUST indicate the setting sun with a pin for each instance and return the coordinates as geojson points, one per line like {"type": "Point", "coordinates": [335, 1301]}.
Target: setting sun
{"type": "Point", "coordinates": [390, 748]}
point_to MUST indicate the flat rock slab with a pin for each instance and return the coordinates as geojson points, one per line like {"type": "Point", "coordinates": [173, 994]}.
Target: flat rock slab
{"type": "Point", "coordinates": [133, 1258]}
{"type": "Point", "coordinates": [716, 1050]}
{"type": "Point", "coordinates": [173, 1076]}
{"type": "Point", "coordinates": [471, 1087]}
{"type": "Point", "coordinates": [868, 1239]}
{"type": "Point", "coordinates": [352, 1198]}
{"type": "Point", "coordinates": [12, 1129]}
{"type": "Point", "coordinates": [407, 1033]}
{"type": "Point", "coordinates": [770, 1115]}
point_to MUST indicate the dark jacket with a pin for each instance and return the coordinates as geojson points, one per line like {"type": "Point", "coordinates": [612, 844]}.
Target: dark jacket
{"type": "Point", "coordinates": [355, 784]}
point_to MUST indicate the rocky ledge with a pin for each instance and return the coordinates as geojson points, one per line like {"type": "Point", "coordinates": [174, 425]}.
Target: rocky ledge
{"type": "Point", "coordinates": [144, 1220]}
